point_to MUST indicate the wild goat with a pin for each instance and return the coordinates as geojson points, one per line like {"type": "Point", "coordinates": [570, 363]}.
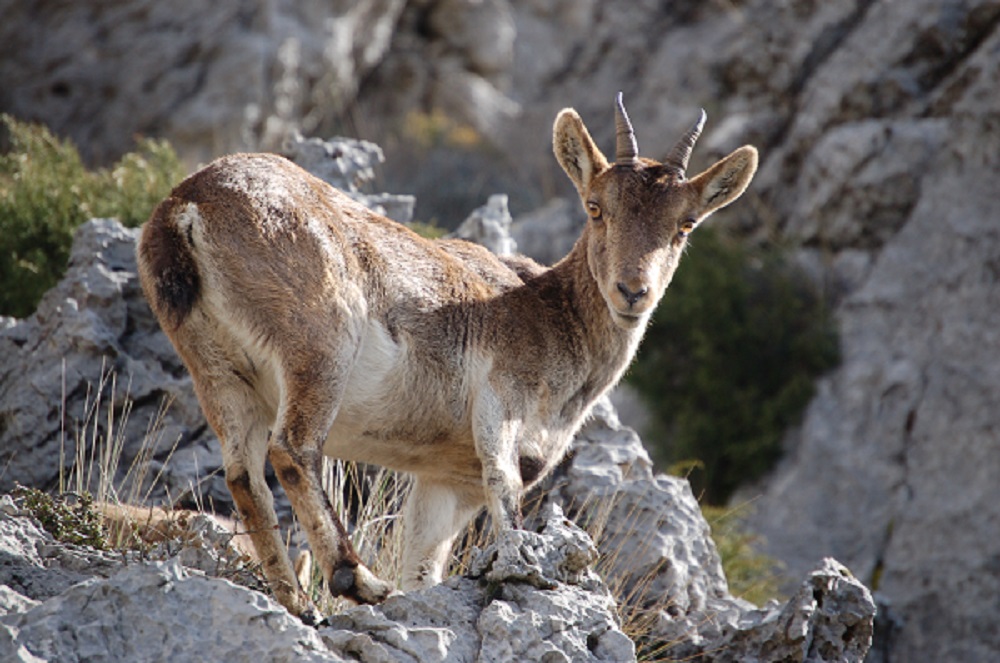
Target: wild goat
{"type": "Point", "coordinates": [313, 326]}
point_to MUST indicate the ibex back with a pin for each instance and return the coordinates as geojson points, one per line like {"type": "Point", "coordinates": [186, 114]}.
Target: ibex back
{"type": "Point", "coordinates": [313, 326]}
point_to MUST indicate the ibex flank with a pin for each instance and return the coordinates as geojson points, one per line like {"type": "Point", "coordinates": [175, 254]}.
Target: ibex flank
{"type": "Point", "coordinates": [313, 326]}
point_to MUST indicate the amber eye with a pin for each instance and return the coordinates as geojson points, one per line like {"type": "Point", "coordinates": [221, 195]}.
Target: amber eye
{"type": "Point", "coordinates": [594, 210]}
{"type": "Point", "coordinates": [686, 227]}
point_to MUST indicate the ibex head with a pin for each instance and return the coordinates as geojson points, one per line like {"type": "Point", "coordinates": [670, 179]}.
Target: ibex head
{"type": "Point", "coordinates": [641, 211]}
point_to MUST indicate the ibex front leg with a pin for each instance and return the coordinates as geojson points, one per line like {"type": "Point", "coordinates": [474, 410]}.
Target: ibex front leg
{"type": "Point", "coordinates": [495, 430]}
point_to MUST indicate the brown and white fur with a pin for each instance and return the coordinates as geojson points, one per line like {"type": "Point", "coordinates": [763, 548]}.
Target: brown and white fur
{"type": "Point", "coordinates": [313, 326]}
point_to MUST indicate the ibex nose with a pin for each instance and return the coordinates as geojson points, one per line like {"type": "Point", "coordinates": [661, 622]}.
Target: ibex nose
{"type": "Point", "coordinates": [632, 296]}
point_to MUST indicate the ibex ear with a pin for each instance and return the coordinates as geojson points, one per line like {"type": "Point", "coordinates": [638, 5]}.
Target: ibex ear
{"type": "Point", "coordinates": [726, 180]}
{"type": "Point", "coordinates": [575, 150]}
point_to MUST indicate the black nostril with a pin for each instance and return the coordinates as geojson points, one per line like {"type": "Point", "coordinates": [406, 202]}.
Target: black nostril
{"type": "Point", "coordinates": [630, 296]}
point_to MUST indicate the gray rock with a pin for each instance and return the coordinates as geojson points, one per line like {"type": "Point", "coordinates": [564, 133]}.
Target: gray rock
{"type": "Point", "coordinates": [34, 567]}
{"type": "Point", "coordinates": [529, 596]}
{"type": "Point", "coordinates": [609, 487]}
{"type": "Point", "coordinates": [91, 353]}
{"type": "Point", "coordinates": [489, 226]}
{"type": "Point", "coordinates": [216, 78]}
{"type": "Point", "coordinates": [349, 165]}
{"type": "Point", "coordinates": [149, 612]}
{"type": "Point", "coordinates": [828, 619]}
{"type": "Point", "coordinates": [548, 233]}
{"type": "Point", "coordinates": [891, 469]}
{"type": "Point", "coordinates": [657, 553]}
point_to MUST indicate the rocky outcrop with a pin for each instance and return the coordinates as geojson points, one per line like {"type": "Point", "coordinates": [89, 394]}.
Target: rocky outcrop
{"type": "Point", "coordinates": [535, 598]}
{"type": "Point", "coordinates": [530, 595]}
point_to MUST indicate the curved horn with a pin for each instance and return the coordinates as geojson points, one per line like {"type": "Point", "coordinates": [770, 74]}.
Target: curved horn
{"type": "Point", "coordinates": [679, 155]}
{"type": "Point", "coordinates": [626, 150]}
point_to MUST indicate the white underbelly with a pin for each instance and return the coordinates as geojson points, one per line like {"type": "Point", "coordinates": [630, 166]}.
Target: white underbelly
{"type": "Point", "coordinates": [396, 419]}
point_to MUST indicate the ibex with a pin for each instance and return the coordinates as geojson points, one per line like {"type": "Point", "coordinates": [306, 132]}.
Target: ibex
{"type": "Point", "coordinates": [313, 326]}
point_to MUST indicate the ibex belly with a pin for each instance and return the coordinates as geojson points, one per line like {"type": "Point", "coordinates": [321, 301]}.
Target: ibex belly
{"type": "Point", "coordinates": [386, 419]}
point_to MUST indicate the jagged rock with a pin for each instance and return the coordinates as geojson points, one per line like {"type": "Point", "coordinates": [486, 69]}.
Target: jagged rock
{"type": "Point", "coordinates": [496, 613]}
{"type": "Point", "coordinates": [609, 486]}
{"type": "Point", "coordinates": [93, 348]}
{"type": "Point", "coordinates": [150, 612]}
{"type": "Point", "coordinates": [34, 567]}
{"type": "Point", "coordinates": [348, 165]}
{"type": "Point", "coordinates": [216, 77]}
{"type": "Point", "coordinates": [892, 470]}
{"type": "Point", "coordinates": [489, 226]}
{"type": "Point", "coordinates": [657, 553]}
{"type": "Point", "coordinates": [529, 596]}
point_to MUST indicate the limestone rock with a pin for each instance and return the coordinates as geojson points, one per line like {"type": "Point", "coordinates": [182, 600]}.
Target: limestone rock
{"type": "Point", "coordinates": [656, 551]}
{"type": "Point", "coordinates": [92, 348]}
{"type": "Point", "coordinates": [548, 233]}
{"type": "Point", "coordinates": [530, 596]}
{"type": "Point", "coordinates": [489, 226]}
{"type": "Point", "coordinates": [349, 165]}
{"type": "Point", "coordinates": [154, 611]}
{"type": "Point", "coordinates": [893, 164]}
{"type": "Point", "coordinates": [216, 78]}
{"type": "Point", "coordinates": [93, 351]}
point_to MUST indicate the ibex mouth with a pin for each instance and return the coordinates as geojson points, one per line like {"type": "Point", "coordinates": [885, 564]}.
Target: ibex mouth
{"type": "Point", "coordinates": [628, 320]}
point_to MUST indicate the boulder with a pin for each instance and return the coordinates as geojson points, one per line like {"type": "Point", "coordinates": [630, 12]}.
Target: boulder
{"type": "Point", "coordinates": [153, 611]}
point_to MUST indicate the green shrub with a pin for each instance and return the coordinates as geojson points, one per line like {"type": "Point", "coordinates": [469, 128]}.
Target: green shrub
{"type": "Point", "coordinates": [46, 192]}
{"type": "Point", "coordinates": [68, 517]}
{"type": "Point", "coordinates": [730, 362]}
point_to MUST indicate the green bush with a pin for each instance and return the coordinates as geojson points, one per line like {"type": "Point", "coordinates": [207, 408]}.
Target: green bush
{"type": "Point", "coordinates": [730, 362]}
{"type": "Point", "coordinates": [46, 192]}
{"type": "Point", "coordinates": [67, 517]}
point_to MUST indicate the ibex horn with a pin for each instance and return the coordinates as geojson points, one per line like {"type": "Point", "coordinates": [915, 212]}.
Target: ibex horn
{"type": "Point", "coordinates": [679, 155]}
{"type": "Point", "coordinates": [626, 150]}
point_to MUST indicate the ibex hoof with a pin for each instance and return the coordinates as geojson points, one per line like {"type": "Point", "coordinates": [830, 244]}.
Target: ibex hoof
{"type": "Point", "coordinates": [359, 584]}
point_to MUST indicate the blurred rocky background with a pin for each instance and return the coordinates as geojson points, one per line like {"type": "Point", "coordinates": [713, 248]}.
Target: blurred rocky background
{"type": "Point", "coordinates": [879, 129]}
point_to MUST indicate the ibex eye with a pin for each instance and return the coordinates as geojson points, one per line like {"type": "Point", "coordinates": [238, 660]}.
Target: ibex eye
{"type": "Point", "coordinates": [594, 210]}
{"type": "Point", "coordinates": [686, 227]}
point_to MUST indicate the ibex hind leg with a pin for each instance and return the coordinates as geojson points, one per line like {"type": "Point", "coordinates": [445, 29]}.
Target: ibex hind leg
{"type": "Point", "coordinates": [242, 423]}
{"type": "Point", "coordinates": [312, 395]}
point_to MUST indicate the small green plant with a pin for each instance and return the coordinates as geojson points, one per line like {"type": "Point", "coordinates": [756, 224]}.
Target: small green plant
{"type": "Point", "coordinates": [730, 362]}
{"type": "Point", "coordinates": [46, 192]}
{"type": "Point", "coordinates": [68, 517]}
{"type": "Point", "coordinates": [751, 574]}
{"type": "Point", "coordinates": [429, 230]}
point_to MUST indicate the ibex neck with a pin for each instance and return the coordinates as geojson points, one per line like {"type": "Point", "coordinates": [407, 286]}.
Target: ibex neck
{"type": "Point", "coordinates": [610, 348]}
